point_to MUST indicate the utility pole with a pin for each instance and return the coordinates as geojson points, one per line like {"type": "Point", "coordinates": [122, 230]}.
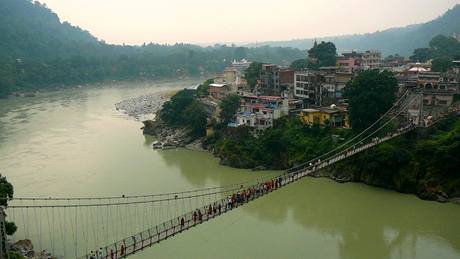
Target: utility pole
{"type": "Point", "coordinates": [4, 252]}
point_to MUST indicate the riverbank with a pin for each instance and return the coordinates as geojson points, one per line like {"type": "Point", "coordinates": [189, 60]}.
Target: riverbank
{"type": "Point", "coordinates": [25, 249]}
{"type": "Point", "coordinates": [144, 106]}
{"type": "Point", "coordinates": [424, 163]}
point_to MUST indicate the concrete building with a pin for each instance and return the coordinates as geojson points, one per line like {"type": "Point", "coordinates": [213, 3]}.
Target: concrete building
{"type": "Point", "coordinates": [325, 116]}
{"type": "Point", "coordinates": [241, 65]}
{"type": "Point", "coordinates": [260, 112]}
{"type": "Point", "coordinates": [218, 91]}
{"type": "Point", "coordinates": [349, 61]}
{"type": "Point", "coordinates": [307, 86]}
{"type": "Point", "coordinates": [353, 61]}
{"type": "Point", "coordinates": [269, 80]}
{"type": "Point", "coordinates": [287, 82]}
{"type": "Point", "coordinates": [371, 59]}
{"type": "Point", "coordinates": [232, 77]}
{"type": "Point", "coordinates": [342, 78]}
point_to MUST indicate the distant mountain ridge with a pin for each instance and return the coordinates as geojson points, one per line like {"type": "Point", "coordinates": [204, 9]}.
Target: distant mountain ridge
{"type": "Point", "coordinates": [403, 40]}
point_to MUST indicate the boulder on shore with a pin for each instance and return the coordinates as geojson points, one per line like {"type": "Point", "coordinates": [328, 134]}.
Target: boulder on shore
{"type": "Point", "coordinates": [25, 247]}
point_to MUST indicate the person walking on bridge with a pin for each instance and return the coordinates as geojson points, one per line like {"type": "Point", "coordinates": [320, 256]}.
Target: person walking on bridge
{"type": "Point", "coordinates": [122, 250]}
{"type": "Point", "coordinates": [200, 216]}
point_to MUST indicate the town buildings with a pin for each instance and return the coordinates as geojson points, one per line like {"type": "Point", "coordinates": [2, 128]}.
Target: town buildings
{"type": "Point", "coordinates": [260, 112]}
{"type": "Point", "coordinates": [316, 97]}
{"type": "Point", "coordinates": [353, 60]}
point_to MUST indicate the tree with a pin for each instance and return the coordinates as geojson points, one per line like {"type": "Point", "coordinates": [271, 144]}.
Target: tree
{"type": "Point", "coordinates": [252, 73]}
{"type": "Point", "coordinates": [442, 64]}
{"type": "Point", "coordinates": [442, 51]}
{"type": "Point", "coordinates": [171, 113]}
{"type": "Point", "coordinates": [240, 53]}
{"type": "Point", "coordinates": [370, 95]}
{"type": "Point", "coordinates": [195, 117]}
{"type": "Point", "coordinates": [421, 55]}
{"type": "Point", "coordinates": [299, 64]}
{"type": "Point", "coordinates": [203, 88]}
{"type": "Point", "coordinates": [10, 228]}
{"type": "Point", "coordinates": [322, 55]}
{"type": "Point", "coordinates": [229, 106]}
{"type": "Point", "coordinates": [6, 191]}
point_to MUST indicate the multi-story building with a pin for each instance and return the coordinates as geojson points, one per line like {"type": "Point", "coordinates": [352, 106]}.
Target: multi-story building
{"type": "Point", "coordinates": [371, 59]}
{"type": "Point", "coordinates": [350, 61]}
{"type": "Point", "coordinates": [342, 79]}
{"type": "Point", "coordinates": [232, 77]}
{"type": "Point", "coordinates": [328, 85]}
{"type": "Point", "coordinates": [287, 82]}
{"type": "Point", "coordinates": [307, 86]}
{"type": "Point", "coordinates": [353, 60]}
{"type": "Point", "coordinates": [269, 80]}
{"type": "Point", "coordinates": [260, 112]}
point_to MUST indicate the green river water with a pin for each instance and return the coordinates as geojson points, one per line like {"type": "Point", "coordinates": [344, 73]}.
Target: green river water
{"type": "Point", "coordinates": [74, 143]}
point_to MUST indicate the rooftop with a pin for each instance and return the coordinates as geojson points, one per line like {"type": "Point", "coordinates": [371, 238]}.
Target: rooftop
{"type": "Point", "coordinates": [218, 85]}
{"type": "Point", "coordinates": [270, 98]}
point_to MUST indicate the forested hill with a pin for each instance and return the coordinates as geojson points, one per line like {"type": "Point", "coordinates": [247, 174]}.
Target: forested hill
{"type": "Point", "coordinates": [31, 31]}
{"type": "Point", "coordinates": [38, 50]}
{"type": "Point", "coordinates": [401, 41]}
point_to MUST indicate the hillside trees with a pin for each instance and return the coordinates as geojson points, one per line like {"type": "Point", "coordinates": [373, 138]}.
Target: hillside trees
{"type": "Point", "coordinates": [370, 95]}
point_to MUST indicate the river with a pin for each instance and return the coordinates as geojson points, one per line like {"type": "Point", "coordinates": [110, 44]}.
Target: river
{"type": "Point", "coordinates": [74, 143]}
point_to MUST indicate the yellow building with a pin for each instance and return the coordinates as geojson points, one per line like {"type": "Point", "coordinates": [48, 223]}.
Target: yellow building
{"type": "Point", "coordinates": [334, 117]}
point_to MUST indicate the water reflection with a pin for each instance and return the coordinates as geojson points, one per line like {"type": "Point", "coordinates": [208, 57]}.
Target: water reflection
{"type": "Point", "coordinates": [364, 220]}
{"type": "Point", "coordinates": [367, 220]}
{"type": "Point", "coordinates": [200, 168]}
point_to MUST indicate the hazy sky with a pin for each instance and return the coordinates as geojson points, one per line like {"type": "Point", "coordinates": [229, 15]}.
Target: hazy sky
{"type": "Point", "coordinates": [205, 21]}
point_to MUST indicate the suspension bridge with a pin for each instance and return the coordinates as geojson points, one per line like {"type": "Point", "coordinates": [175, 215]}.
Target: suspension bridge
{"type": "Point", "coordinates": [117, 227]}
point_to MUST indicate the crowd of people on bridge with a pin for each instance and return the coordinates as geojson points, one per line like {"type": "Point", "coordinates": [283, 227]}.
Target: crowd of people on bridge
{"type": "Point", "coordinates": [234, 200]}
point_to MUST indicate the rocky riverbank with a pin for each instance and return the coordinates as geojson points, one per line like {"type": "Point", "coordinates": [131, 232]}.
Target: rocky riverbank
{"type": "Point", "coordinates": [25, 248]}
{"type": "Point", "coordinates": [144, 106]}
{"type": "Point", "coordinates": [169, 138]}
